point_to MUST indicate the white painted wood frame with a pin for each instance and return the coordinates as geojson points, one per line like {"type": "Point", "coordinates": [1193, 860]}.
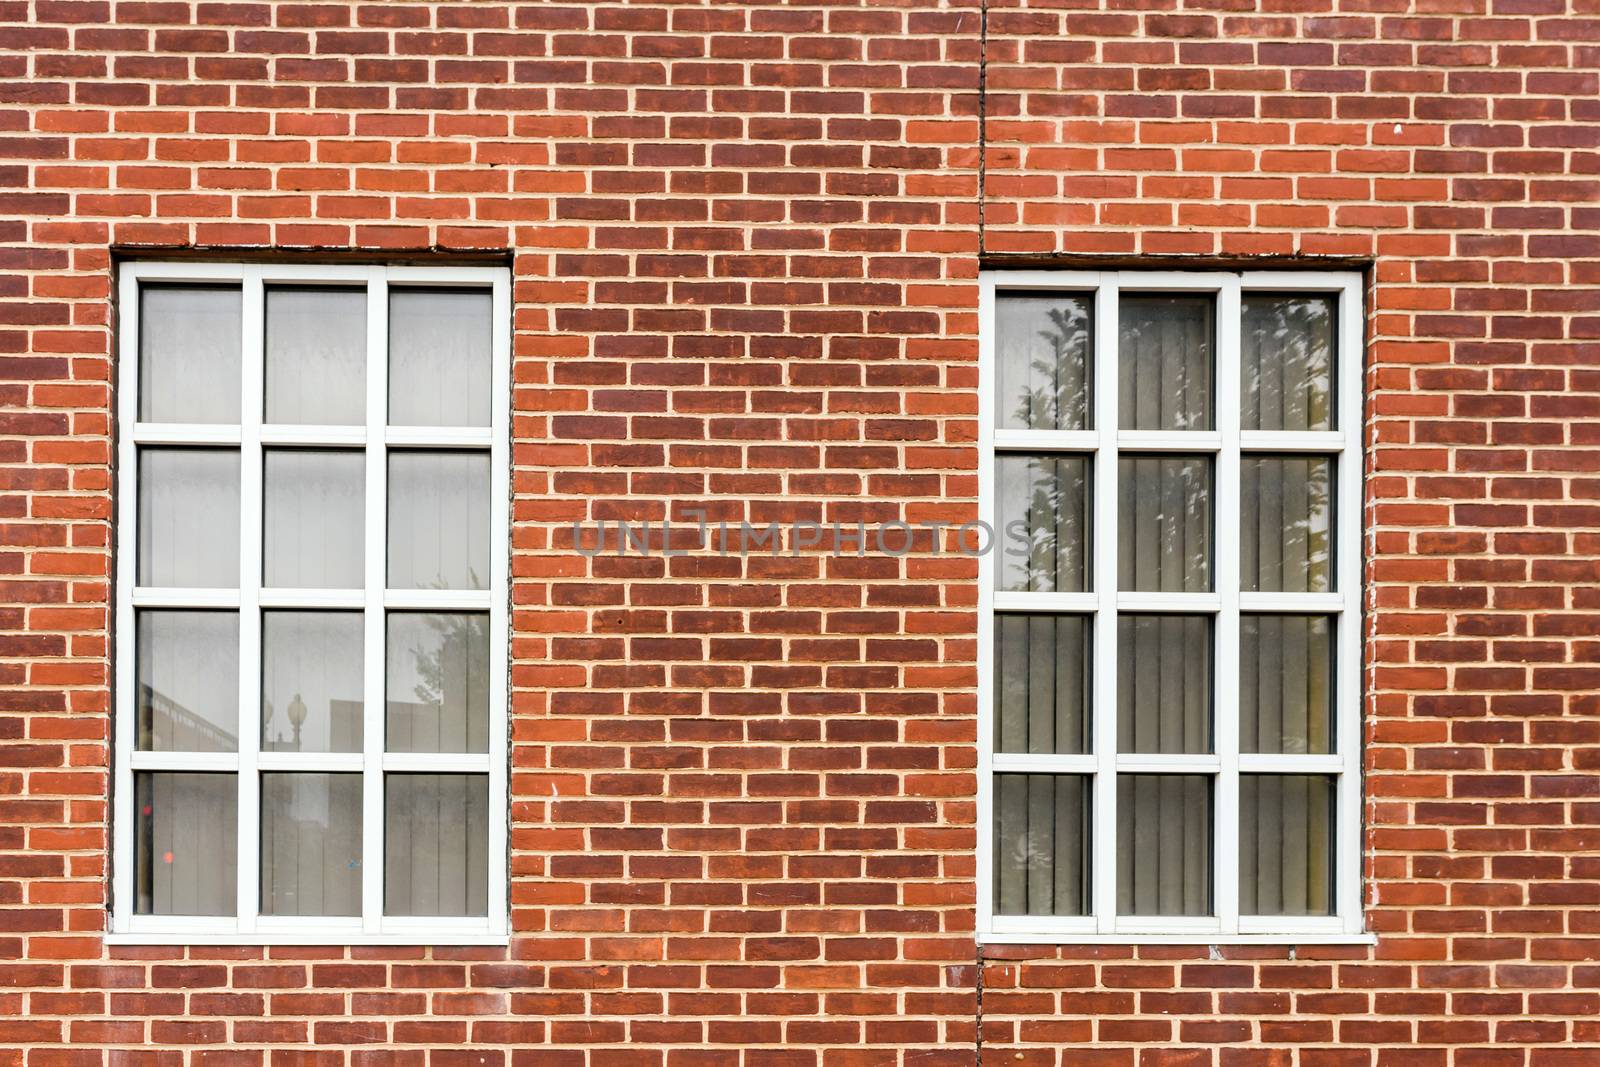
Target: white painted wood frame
{"type": "Point", "coordinates": [1228, 444]}
{"type": "Point", "coordinates": [247, 926]}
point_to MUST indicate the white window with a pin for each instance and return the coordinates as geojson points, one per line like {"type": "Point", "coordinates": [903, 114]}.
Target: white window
{"type": "Point", "coordinates": [1169, 645]}
{"type": "Point", "coordinates": [310, 721]}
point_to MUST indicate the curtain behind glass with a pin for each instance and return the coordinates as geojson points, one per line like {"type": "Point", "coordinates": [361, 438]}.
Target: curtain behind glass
{"type": "Point", "coordinates": [1287, 347]}
{"type": "Point", "coordinates": [1163, 844]}
{"type": "Point", "coordinates": [1285, 683]}
{"type": "Point", "coordinates": [1041, 844]}
{"type": "Point", "coordinates": [1043, 355]}
{"type": "Point", "coordinates": [1286, 532]}
{"type": "Point", "coordinates": [1164, 683]}
{"type": "Point", "coordinates": [1286, 844]}
{"type": "Point", "coordinates": [1041, 683]}
{"type": "Point", "coordinates": [1164, 363]}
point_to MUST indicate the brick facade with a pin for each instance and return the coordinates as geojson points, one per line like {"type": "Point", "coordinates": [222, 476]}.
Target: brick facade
{"type": "Point", "coordinates": [745, 241]}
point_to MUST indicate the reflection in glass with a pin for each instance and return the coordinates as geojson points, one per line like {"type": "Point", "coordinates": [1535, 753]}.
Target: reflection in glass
{"type": "Point", "coordinates": [1163, 844]}
{"type": "Point", "coordinates": [187, 677]}
{"type": "Point", "coordinates": [436, 844]}
{"type": "Point", "coordinates": [1164, 683]}
{"type": "Point", "coordinates": [189, 346]}
{"type": "Point", "coordinates": [311, 684]}
{"type": "Point", "coordinates": [1044, 522]}
{"type": "Point", "coordinates": [1287, 345]}
{"type": "Point", "coordinates": [1286, 844]}
{"type": "Point", "coordinates": [1286, 536]}
{"type": "Point", "coordinates": [314, 516]}
{"type": "Point", "coordinates": [1041, 683]}
{"type": "Point", "coordinates": [1043, 352]}
{"type": "Point", "coordinates": [317, 356]}
{"type": "Point", "coordinates": [438, 682]}
{"type": "Point", "coordinates": [1164, 363]}
{"type": "Point", "coordinates": [439, 357]}
{"type": "Point", "coordinates": [1285, 683]}
{"type": "Point", "coordinates": [438, 520]}
{"type": "Point", "coordinates": [189, 517]}
{"type": "Point", "coordinates": [184, 844]}
{"type": "Point", "coordinates": [1164, 524]}
{"type": "Point", "coordinates": [311, 844]}
{"type": "Point", "coordinates": [1041, 844]}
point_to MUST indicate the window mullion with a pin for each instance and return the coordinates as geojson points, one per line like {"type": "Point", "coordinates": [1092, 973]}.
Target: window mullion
{"type": "Point", "coordinates": [373, 622]}
{"type": "Point", "coordinates": [1225, 568]}
{"type": "Point", "coordinates": [250, 548]}
{"type": "Point", "coordinates": [1104, 548]}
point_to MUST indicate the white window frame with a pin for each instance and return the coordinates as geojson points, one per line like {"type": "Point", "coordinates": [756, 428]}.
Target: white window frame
{"type": "Point", "coordinates": [1225, 443]}
{"type": "Point", "coordinates": [248, 927]}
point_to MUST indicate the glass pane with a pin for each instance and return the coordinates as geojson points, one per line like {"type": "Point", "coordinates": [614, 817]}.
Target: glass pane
{"type": "Point", "coordinates": [314, 517]}
{"type": "Point", "coordinates": [311, 685]}
{"type": "Point", "coordinates": [1164, 524]}
{"type": "Point", "coordinates": [1286, 844]}
{"type": "Point", "coordinates": [438, 683]}
{"type": "Point", "coordinates": [1041, 683]}
{"type": "Point", "coordinates": [187, 676]}
{"type": "Point", "coordinates": [439, 357]}
{"type": "Point", "coordinates": [1286, 536]}
{"type": "Point", "coordinates": [1041, 844]}
{"type": "Point", "coordinates": [1285, 683]}
{"type": "Point", "coordinates": [1163, 844]}
{"type": "Point", "coordinates": [189, 517]}
{"type": "Point", "coordinates": [311, 844]}
{"type": "Point", "coordinates": [1044, 349]}
{"type": "Point", "coordinates": [1044, 523]}
{"type": "Point", "coordinates": [184, 844]}
{"type": "Point", "coordinates": [1287, 347]}
{"type": "Point", "coordinates": [1164, 363]}
{"type": "Point", "coordinates": [189, 343]}
{"type": "Point", "coordinates": [438, 520]}
{"type": "Point", "coordinates": [317, 356]}
{"type": "Point", "coordinates": [1164, 683]}
{"type": "Point", "coordinates": [436, 844]}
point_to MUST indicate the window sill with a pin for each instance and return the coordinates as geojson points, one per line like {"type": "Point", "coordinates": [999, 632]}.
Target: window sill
{"type": "Point", "coordinates": [1288, 940]}
{"type": "Point", "coordinates": [407, 939]}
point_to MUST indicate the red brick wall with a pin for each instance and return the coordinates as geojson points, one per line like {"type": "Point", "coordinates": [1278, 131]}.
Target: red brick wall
{"type": "Point", "coordinates": [745, 239]}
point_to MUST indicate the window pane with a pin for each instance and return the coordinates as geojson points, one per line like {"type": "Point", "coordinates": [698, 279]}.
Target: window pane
{"type": "Point", "coordinates": [189, 517]}
{"type": "Point", "coordinates": [311, 844]}
{"type": "Point", "coordinates": [1285, 683]}
{"type": "Point", "coordinates": [311, 684]}
{"type": "Point", "coordinates": [438, 683]}
{"type": "Point", "coordinates": [1163, 844]}
{"type": "Point", "coordinates": [439, 357]}
{"type": "Point", "coordinates": [1164, 363]}
{"type": "Point", "coordinates": [1041, 683]}
{"type": "Point", "coordinates": [1286, 536]}
{"type": "Point", "coordinates": [314, 517]}
{"type": "Point", "coordinates": [1044, 523]}
{"type": "Point", "coordinates": [1164, 683]}
{"type": "Point", "coordinates": [1044, 349]}
{"type": "Point", "coordinates": [317, 356]}
{"type": "Point", "coordinates": [189, 343]}
{"type": "Point", "coordinates": [187, 668]}
{"type": "Point", "coordinates": [436, 854]}
{"type": "Point", "coordinates": [1286, 844]}
{"type": "Point", "coordinates": [1041, 844]}
{"type": "Point", "coordinates": [438, 520]}
{"type": "Point", "coordinates": [185, 851]}
{"type": "Point", "coordinates": [1287, 347]}
{"type": "Point", "coordinates": [1164, 524]}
